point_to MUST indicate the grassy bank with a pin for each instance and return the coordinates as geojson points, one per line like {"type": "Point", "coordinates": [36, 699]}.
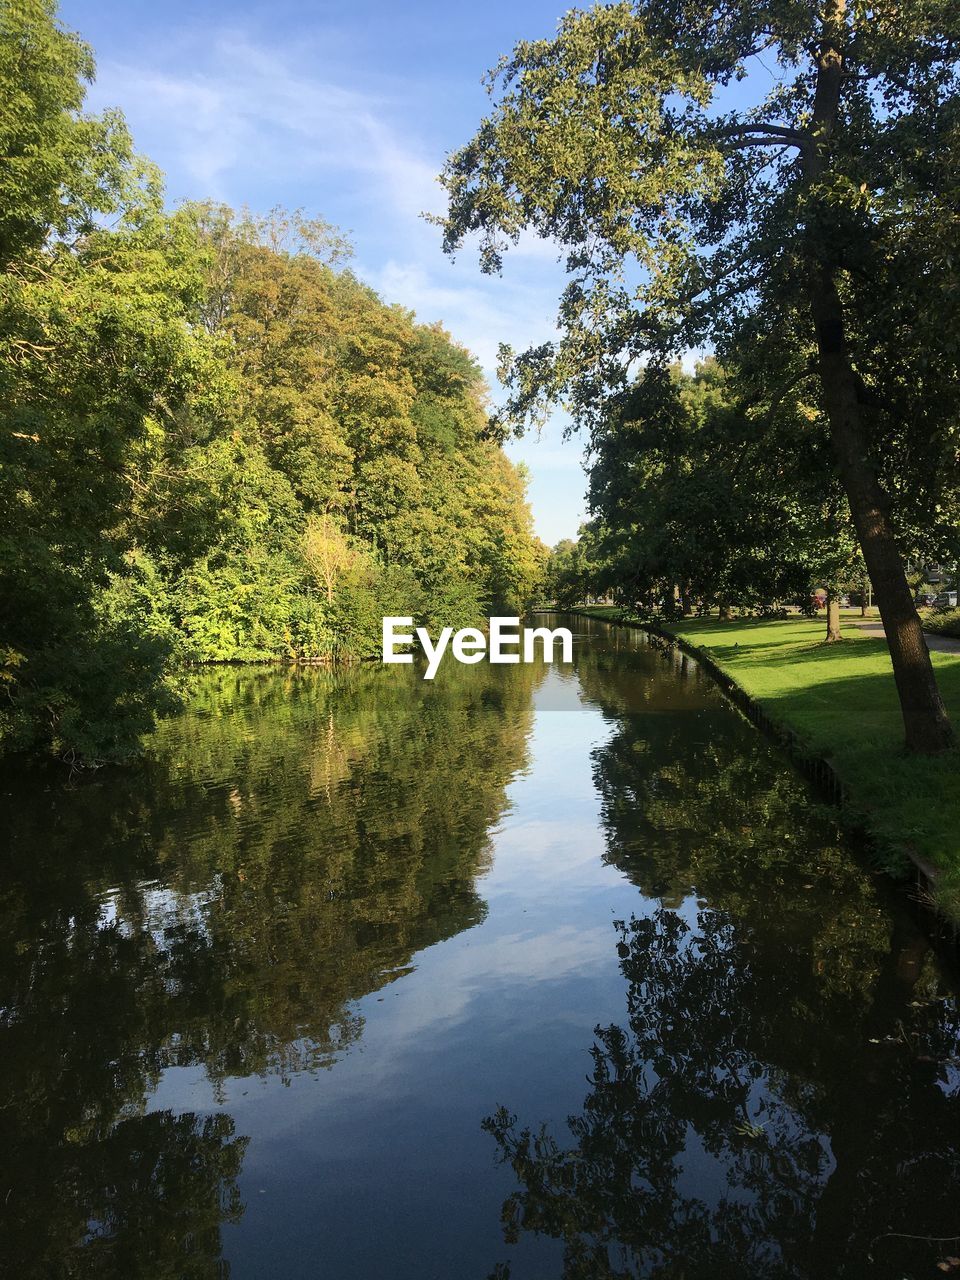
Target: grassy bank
{"type": "Point", "coordinates": [841, 704]}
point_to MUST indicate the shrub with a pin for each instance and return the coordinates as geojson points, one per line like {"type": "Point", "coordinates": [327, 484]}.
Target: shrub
{"type": "Point", "coordinates": [945, 622]}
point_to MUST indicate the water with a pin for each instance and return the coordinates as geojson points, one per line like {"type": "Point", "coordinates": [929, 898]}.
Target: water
{"type": "Point", "coordinates": [531, 972]}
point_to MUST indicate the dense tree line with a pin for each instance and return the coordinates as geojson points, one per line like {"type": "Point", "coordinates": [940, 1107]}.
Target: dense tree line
{"type": "Point", "coordinates": [808, 237]}
{"type": "Point", "coordinates": [218, 444]}
{"type": "Point", "coordinates": [702, 497]}
{"type": "Point", "coordinates": [693, 509]}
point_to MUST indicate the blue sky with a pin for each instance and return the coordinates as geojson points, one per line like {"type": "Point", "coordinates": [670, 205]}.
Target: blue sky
{"type": "Point", "coordinates": [347, 111]}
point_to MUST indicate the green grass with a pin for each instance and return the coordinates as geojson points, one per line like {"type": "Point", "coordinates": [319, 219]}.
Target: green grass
{"type": "Point", "coordinates": [841, 703]}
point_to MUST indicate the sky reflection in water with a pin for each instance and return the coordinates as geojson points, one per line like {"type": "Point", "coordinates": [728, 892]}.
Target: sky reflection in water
{"type": "Point", "coordinates": [296, 996]}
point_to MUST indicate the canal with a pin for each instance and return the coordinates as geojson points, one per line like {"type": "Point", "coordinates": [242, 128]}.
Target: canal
{"type": "Point", "coordinates": [528, 972]}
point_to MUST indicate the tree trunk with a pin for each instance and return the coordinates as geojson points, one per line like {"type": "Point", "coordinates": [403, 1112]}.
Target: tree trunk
{"type": "Point", "coordinates": [833, 618]}
{"type": "Point", "coordinates": [725, 614]}
{"type": "Point", "coordinates": [686, 603]}
{"type": "Point", "coordinates": [924, 716]}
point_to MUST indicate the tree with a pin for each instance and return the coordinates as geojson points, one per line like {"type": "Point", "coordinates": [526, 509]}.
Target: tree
{"type": "Point", "coordinates": [193, 409]}
{"type": "Point", "coordinates": [61, 168]}
{"type": "Point", "coordinates": [568, 575]}
{"type": "Point", "coordinates": [359, 483]}
{"type": "Point", "coordinates": [328, 554]}
{"type": "Point", "coordinates": [692, 505]}
{"type": "Point", "coordinates": [807, 221]}
{"type": "Point", "coordinates": [100, 357]}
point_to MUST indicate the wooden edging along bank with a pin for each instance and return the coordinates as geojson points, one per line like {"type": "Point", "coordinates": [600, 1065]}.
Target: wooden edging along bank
{"type": "Point", "coordinates": [815, 768]}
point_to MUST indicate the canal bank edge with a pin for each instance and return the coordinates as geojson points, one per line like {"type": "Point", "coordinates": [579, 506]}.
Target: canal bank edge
{"type": "Point", "coordinates": [897, 859]}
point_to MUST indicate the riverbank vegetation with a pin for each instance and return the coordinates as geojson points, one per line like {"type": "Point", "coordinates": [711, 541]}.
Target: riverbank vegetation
{"type": "Point", "coordinates": [693, 509]}
{"type": "Point", "coordinates": [839, 703]}
{"type": "Point", "coordinates": [804, 235]}
{"type": "Point", "coordinates": [218, 443]}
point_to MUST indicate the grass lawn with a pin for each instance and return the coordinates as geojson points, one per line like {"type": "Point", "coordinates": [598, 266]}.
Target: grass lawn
{"type": "Point", "coordinates": [841, 702]}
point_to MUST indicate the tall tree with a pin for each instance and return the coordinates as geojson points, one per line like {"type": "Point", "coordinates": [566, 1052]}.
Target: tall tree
{"type": "Point", "coordinates": [61, 167]}
{"type": "Point", "coordinates": [809, 215]}
{"type": "Point", "coordinates": [692, 498]}
{"type": "Point", "coordinates": [99, 354]}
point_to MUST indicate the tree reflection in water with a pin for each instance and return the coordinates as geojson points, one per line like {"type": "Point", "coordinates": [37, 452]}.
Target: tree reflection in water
{"type": "Point", "coordinates": [146, 1198]}
{"type": "Point", "coordinates": [288, 846]}
{"type": "Point", "coordinates": [783, 1099]}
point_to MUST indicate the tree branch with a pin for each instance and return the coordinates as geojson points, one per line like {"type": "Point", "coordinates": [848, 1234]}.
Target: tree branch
{"type": "Point", "coordinates": [761, 142]}
{"type": "Point", "coordinates": [796, 136]}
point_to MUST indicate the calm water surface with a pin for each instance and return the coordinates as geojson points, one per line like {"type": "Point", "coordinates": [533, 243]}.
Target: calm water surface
{"type": "Point", "coordinates": [531, 972]}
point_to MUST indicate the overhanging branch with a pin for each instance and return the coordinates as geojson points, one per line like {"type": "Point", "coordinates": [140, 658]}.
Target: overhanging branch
{"type": "Point", "coordinates": [772, 130]}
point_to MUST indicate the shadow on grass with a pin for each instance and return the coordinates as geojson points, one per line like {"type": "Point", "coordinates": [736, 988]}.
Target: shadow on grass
{"type": "Point", "coordinates": [842, 651]}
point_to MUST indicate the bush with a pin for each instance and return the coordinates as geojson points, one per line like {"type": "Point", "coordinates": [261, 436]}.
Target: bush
{"type": "Point", "coordinates": [945, 622]}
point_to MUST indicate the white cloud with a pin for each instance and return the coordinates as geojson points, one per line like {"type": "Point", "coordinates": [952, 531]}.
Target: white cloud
{"type": "Point", "coordinates": [251, 107]}
{"type": "Point", "coordinates": [481, 315]}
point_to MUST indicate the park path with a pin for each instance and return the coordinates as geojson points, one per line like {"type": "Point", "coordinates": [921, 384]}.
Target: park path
{"type": "Point", "coordinates": [874, 627]}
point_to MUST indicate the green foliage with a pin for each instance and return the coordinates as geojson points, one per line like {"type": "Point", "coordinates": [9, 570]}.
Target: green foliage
{"type": "Point", "coordinates": [690, 498]}
{"type": "Point", "coordinates": [367, 426]}
{"type": "Point", "coordinates": [61, 168]}
{"type": "Point", "coordinates": [945, 622]}
{"type": "Point", "coordinates": [808, 235]}
{"type": "Point", "coordinates": [181, 396]}
{"type": "Point", "coordinates": [99, 360]}
{"type": "Point", "coordinates": [355, 481]}
{"type": "Point", "coordinates": [572, 571]}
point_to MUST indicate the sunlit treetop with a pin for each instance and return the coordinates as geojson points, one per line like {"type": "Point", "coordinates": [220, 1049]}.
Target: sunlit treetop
{"type": "Point", "coordinates": [679, 217]}
{"type": "Point", "coordinates": [63, 170]}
